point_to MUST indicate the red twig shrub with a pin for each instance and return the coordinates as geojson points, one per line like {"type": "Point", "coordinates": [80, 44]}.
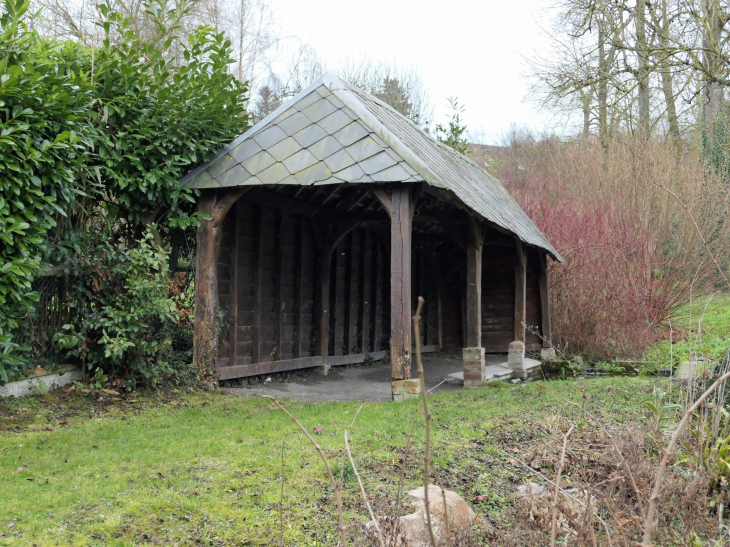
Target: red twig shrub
{"type": "Point", "coordinates": [630, 248]}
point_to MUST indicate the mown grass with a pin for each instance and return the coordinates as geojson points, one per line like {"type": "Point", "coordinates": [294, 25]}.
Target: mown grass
{"type": "Point", "coordinates": [702, 328]}
{"type": "Point", "coordinates": [205, 469]}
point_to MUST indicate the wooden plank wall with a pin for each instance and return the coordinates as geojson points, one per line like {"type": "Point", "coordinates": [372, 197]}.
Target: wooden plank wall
{"type": "Point", "coordinates": [272, 256]}
{"type": "Point", "coordinates": [498, 298]}
{"type": "Point", "coordinates": [359, 291]}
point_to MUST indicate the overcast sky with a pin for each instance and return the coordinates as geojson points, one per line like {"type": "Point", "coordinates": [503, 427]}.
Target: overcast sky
{"type": "Point", "coordinates": [470, 49]}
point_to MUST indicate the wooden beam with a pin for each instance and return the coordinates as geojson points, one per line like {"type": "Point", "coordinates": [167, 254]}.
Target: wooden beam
{"type": "Point", "coordinates": [384, 198]}
{"type": "Point", "coordinates": [473, 332]}
{"type": "Point", "coordinates": [376, 311]}
{"type": "Point", "coordinates": [363, 325]}
{"type": "Point", "coordinates": [400, 281]}
{"type": "Point", "coordinates": [321, 318]}
{"type": "Point", "coordinates": [299, 288]}
{"type": "Point", "coordinates": [547, 329]}
{"type": "Point", "coordinates": [257, 279]}
{"type": "Point", "coordinates": [520, 292]}
{"type": "Point", "coordinates": [278, 289]}
{"type": "Point", "coordinates": [215, 204]}
{"type": "Point", "coordinates": [350, 324]}
{"type": "Point", "coordinates": [233, 294]}
{"type": "Point", "coordinates": [436, 268]}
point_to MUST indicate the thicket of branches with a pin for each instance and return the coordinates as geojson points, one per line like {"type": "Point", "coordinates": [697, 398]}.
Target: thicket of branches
{"type": "Point", "coordinates": [638, 226]}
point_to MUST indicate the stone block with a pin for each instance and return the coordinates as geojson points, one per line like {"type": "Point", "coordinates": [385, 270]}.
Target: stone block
{"type": "Point", "coordinates": [474, 367]}
{"type": "Point", "coordinates": [516, 360]}
{"type": "Point", "coordinates": [547, 353]}
{"type": "Point", "coordinates": [405, 389]}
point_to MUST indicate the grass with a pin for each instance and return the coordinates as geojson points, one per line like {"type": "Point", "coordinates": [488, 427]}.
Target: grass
{"type": "Point", "coordinates": [205, 468]}
{"type": "Point", "coordinates": [702, 328]}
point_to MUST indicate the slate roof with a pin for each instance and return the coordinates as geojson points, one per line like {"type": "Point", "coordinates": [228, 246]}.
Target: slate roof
{"type": "Point", "coordinates": [333, 132]}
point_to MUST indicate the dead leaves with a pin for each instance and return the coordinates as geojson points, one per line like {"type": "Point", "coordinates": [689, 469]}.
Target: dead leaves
{"type": "Point", "coordinates": [21, 468]}
{"type": "Point", "coordinates": [157, 476]}
{"type": "Point", "coordinates": [318, 430]}
{"type": "Point", "coordinates": [481, 498]}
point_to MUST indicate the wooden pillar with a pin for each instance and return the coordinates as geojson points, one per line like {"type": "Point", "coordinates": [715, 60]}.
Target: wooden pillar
{"type": "Point", "coordinates": [350, 322]}
{"type": "Point", "coordinates": [398, 205]}
{"type": "Point", "coordinates": [257, 281]}
{"type": "Point", "coordinates": [215, 205]}
{"type": "Point", "coordinates": [299, 288]}
{"type": "Point", "coordinates": [279, 301]}
{"type": "Point", "coordinates": [376, 311]}
{"type": "Point", "coordinates": [547, 330]}
{"type": "Point", "coordinates": [322, 299]}
{"type": "Point", "coordinates": [233, 293]}
{"type": "Point", "coordinates": [473, 331]}
{"type": "Point", "coordinates": [520, 292]}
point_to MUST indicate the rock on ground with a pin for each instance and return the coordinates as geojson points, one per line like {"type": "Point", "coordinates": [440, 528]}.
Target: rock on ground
{"type": "Point", "coordinates": [413, 529]}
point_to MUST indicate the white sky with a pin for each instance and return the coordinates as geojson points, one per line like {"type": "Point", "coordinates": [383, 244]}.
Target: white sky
{"type": "Point", "coordinates": [471, 49]}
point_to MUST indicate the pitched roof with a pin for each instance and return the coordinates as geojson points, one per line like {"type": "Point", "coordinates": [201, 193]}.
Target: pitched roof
{"type": "Point", "coordinates": [333, 132]}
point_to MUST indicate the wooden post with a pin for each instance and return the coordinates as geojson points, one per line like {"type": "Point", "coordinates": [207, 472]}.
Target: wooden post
{"type": "Point", "coordinates": [363, 326]}
{"type": "Point", "coordinates": [376, 311]}
{"type": "Point", "coordinates": [257, 277]}
{"type": "Point", "coordinates": [520, 292]}
{"type": "Point", "coordinates": [299, 288]}
{"type": "Point", "coordinates": [398, 206]}
{"type": "Point", "coordinates": [322, 300]}
{"type": "Point", "coordinates": [350, 323]}
{"type": "Point", "coordinates": [474, 286]}
{"type": "Point", "coordinates": [547, 330]}
{"type": "Point", "coordinates": [233, 294]}
{"type": "Point", "coordinates": [214, 204]}
{"type": "Point", "coordinates": [278, 289]}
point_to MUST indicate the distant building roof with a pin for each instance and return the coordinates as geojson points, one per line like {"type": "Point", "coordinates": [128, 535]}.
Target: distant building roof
{"type": "Point", "coordinates": [333, 132]}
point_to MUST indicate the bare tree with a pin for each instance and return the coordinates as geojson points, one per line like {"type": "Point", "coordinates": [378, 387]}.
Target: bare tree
{"type": "Point", "coordinates": [401, 87]}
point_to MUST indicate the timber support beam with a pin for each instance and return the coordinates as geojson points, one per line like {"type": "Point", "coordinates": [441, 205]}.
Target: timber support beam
{"type": "Point", "coordinates": [520, 293]}
{"type": "Point", "coordinates": [473, 352]}
{"type": "Point", "coordinates": [215, 205]}
{"type": "Point", "coordinates": [398, 203]}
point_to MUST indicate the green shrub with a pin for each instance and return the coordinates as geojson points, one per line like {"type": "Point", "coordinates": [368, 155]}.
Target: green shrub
{"type": "Point", "coordinates": [124, 309]}
{"type": "Point", "coordinates": [43, 93]}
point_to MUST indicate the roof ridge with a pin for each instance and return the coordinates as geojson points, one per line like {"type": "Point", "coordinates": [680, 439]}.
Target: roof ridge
{"type": "Point", "coordinates": [347, 94]}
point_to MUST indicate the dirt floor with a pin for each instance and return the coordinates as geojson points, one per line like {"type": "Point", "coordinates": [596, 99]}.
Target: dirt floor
{"type": "Point", "coordinates": [357, 382]}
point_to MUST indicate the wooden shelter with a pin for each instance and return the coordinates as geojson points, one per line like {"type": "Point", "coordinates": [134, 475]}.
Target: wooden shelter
{"type": "Point", "coordinates": [329, 218]}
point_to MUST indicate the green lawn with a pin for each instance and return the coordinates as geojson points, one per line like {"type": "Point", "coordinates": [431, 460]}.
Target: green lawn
{"type": "Point", "coordinates": [702, 328]}
{"type": "Point", "coordinates": [205, 469]}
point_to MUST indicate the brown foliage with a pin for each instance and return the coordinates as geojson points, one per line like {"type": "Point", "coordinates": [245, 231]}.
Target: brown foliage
{"type": "Point", "coordinates": [632, 252]}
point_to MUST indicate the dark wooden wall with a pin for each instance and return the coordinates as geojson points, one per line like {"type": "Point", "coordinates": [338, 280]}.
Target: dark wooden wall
{"type": "Point", "coordinates": [359, 295]}
{"type": "Point", "coordinates": [266, 276]}
{"type": "Point", "coordinates": [498, 298]}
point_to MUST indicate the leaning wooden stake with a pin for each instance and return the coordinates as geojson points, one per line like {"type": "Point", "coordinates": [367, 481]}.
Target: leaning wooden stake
{"type": "Point", "coordinates": [338, 492]}
{"type": "Point", "coordinates": [427, 419]}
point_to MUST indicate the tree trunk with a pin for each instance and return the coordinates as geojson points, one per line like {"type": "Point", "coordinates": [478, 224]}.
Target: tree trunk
{"type": "Point", "coordinates": [642, 74]}
{"type": "Point", "coordinates": [712, 66]}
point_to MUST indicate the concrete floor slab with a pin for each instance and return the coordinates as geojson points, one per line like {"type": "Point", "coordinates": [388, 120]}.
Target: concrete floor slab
{"type": "Point", "coordinates": [359, 382]}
